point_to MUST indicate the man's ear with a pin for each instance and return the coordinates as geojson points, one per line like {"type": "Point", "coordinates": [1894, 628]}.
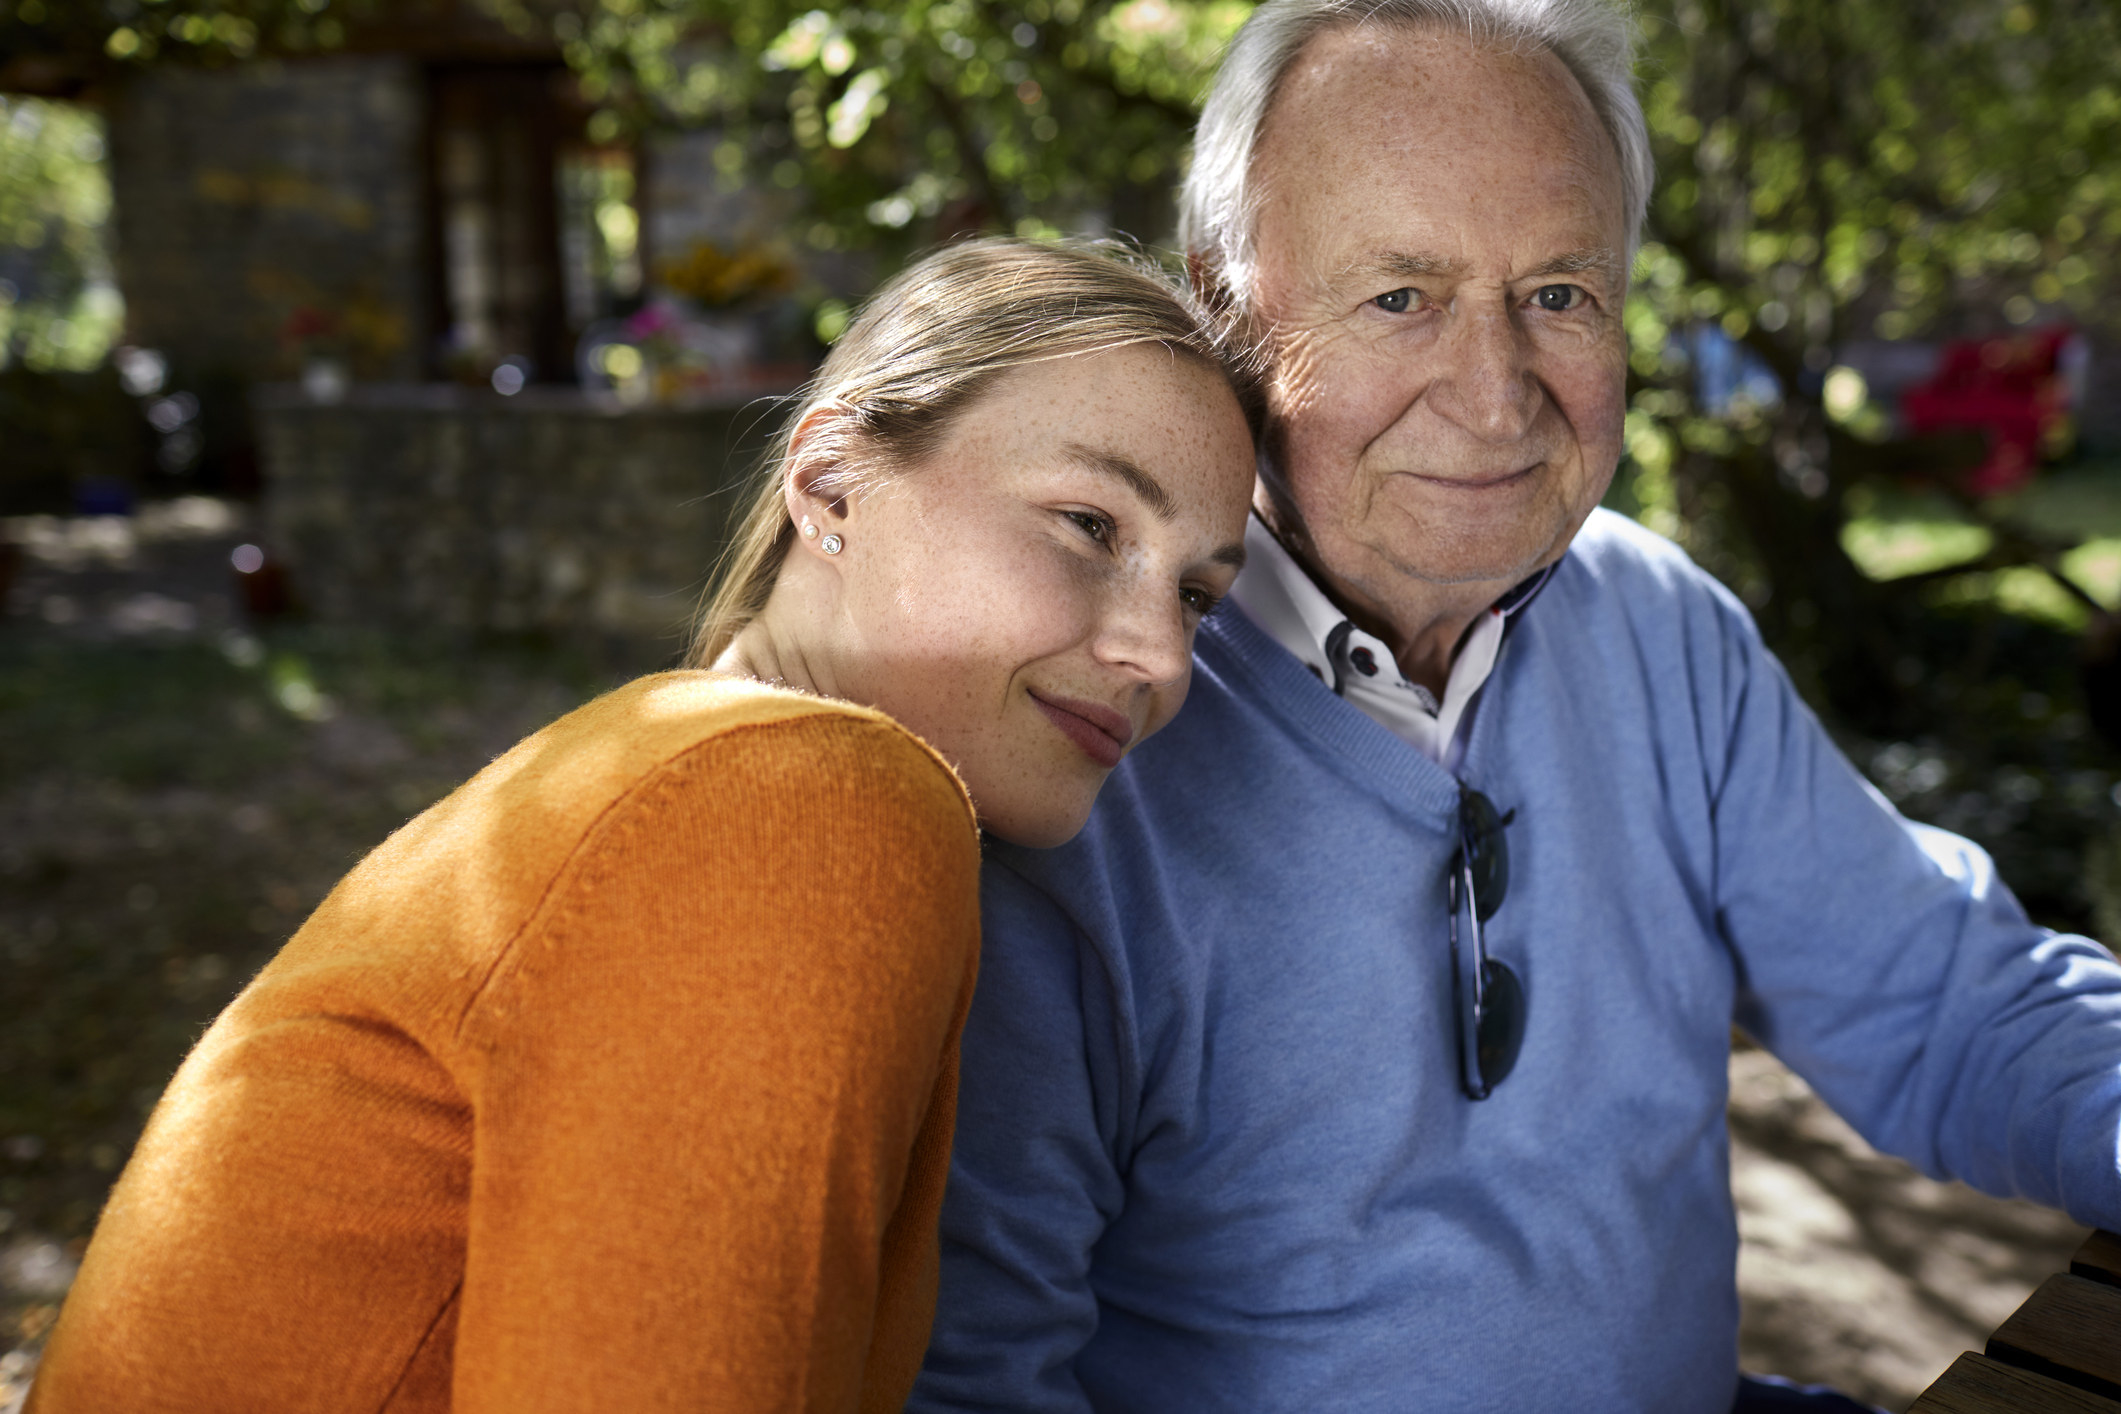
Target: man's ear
{"type": "Point", "coordinates": [816, 480]}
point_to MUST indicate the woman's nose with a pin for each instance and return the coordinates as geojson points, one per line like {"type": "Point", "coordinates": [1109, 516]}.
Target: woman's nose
{"type": "Point", "coordinates": [1144, 632]}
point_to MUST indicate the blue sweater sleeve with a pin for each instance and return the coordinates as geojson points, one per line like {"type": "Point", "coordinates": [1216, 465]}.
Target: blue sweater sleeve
{"type": "Point", "coordinates": [1033, 1180]}
{"type": "Point", "coordinates": [1887, 964]}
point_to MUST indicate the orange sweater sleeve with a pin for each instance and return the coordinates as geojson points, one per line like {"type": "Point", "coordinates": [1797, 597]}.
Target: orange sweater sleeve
{"type": "Point", "coordinates": [699, 1083]}
{"type": "Point", "coordinates": [623, 1079]}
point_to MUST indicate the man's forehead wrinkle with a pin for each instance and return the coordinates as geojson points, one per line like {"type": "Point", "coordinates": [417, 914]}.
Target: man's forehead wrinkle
{"type": "Point", "coordinates": [1412, 264]}
{"type": "Point", "coordinates": [1602, 260]}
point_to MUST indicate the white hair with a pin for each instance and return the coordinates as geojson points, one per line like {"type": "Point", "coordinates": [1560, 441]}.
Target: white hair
{"type": "Point", "coordinates": [1218, 210]}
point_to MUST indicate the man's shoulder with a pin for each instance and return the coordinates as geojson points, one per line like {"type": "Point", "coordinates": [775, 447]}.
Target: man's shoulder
{"type": "Point", "coordinates": [1623, 553]}
{"type": "Point", "coordinates": [1620, 571]}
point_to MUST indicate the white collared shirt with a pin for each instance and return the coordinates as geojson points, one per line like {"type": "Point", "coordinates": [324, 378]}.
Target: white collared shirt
{"type": "Point", "coordinates": [1279, 595]}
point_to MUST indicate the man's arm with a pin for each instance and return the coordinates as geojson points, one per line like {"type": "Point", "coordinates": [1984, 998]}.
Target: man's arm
{"type": "Point", "coordinates": [1887, 964]}
{"type": "Point", "coordinates": [1033, 1180]}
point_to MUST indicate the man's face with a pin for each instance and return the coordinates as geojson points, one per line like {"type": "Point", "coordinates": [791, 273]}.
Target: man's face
{"type": "Point", "coordinates": [1440, 268]}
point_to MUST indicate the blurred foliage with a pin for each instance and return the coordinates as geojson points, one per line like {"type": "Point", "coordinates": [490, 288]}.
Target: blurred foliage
{"type": "Point", "coordinates": [1830, 172]}
{"type": "Point", "coordinates": [58, 306]}
{"type": "Point", "coordinates": [903, 124]}
{"type": "Point", "coordinates": [96, 37]}
{"type": "Point", "coordinates": [898, 123]}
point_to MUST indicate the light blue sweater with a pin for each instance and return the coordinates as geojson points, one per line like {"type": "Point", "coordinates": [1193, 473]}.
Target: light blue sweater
{"type": "Point", "coordinates": [1212, 1153]}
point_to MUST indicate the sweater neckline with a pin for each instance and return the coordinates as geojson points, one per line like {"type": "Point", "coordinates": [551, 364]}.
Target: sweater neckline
{"type": "Point", "coordinates": [1399, 770]}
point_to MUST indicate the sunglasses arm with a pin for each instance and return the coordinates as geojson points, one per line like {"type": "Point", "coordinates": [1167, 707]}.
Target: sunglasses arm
{"type": "Point", "coordinates": [1466, 983]}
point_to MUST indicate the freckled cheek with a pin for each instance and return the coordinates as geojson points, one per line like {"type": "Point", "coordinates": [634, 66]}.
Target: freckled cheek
{"type": "Point", "coordinates": [1037, 600]}
{"type": "Point", "coordinates": [1165, 701]}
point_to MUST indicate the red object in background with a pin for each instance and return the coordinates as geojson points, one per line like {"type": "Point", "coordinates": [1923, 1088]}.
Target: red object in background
{"type": "Point", "coordinates": [306, 324]}
{"type": "Point", "coordinates": [2015, 389]}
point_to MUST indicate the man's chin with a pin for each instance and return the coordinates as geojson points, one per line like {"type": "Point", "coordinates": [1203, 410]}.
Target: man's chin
{"type": "Point", "coordinates": [1499, 562]}
{"type": "Point", "coordinates": [1437, 547]}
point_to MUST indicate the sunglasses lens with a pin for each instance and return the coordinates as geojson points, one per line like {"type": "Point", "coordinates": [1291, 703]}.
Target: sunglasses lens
{"type": "Point", "coordinates": [1501, 1030]}
{"type": "Point", "coordinates": [1487, 852]}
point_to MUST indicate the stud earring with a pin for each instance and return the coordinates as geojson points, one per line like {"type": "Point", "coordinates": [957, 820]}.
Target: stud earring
{"type": "Point", "coordinates": [809, 531]}
{"type": "Point", "coordinates": [831, 544]}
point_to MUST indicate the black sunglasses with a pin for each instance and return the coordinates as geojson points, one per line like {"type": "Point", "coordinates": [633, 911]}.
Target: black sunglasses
{"type": "Point", "coordinates": [1491, 1006]}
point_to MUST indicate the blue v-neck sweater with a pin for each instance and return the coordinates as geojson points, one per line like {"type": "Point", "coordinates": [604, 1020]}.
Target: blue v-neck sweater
{"type": "Point", "coordinates": [1212, 1153]}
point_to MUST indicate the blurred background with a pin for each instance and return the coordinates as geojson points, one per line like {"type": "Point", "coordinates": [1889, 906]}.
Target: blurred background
{"type": "Point", "coordinates": [374, 376]}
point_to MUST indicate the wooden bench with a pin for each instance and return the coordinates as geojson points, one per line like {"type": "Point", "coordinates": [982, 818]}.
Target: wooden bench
{"type": "Point", "coordinates": [2059, 1353]}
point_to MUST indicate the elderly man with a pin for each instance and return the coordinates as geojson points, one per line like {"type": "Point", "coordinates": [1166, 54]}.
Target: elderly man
{"type": "Point", "coordinates": [1367, 1052]}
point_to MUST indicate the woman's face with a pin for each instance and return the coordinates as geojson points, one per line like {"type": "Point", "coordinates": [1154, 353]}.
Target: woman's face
{"type": "Point", "coordinates": [1025, 598]}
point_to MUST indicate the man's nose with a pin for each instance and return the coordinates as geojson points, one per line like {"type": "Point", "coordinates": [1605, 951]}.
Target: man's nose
{"type": "Point", "coordinates": [1485, 383]}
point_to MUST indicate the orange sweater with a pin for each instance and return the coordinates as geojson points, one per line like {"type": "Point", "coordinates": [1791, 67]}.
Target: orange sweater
{"type": "Point", "coordinates": [622, 1079]}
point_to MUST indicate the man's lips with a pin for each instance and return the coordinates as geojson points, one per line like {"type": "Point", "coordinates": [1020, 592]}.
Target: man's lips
{"type": "Point", "coordinates": [1480, 481]}
{"type": "Point", "coordinates": [1101, 732]}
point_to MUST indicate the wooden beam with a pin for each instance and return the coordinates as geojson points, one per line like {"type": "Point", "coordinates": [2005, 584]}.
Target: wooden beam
{"type": "Point", "coordinates": [2099, 1259]}
{"type": "Point", "coordinates": [2069, 1330]}
{"type": "Point", "coordinates": [1976, 1384]}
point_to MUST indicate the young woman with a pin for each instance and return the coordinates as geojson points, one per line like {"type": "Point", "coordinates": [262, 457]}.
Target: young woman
{"type": "Point", "coordinates": [624, 1077]}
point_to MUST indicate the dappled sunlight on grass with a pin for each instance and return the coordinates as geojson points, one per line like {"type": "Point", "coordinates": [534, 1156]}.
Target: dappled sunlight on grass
{"type": "Point", "coordinates": [1893, 534]}
{"type": "Point", "coordinates": [2096, 567]}
{"type": "Point", "coordinates": [1891, 549]}
{"type": "Point", "coordinates": [2071, 502]}
{"type": "Point", "coordinates": [2021, 589]}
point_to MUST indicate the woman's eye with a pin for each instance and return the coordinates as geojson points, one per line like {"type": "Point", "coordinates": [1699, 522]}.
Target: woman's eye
{"type": "Point", "coordinates": [1091, 524]}
{"type": "Point", "coordinates": [1397, 302]}
{"type": "Point", "coordinates": [1199, 601]}
{"type": "Point", "coordinates": [1558, 298]}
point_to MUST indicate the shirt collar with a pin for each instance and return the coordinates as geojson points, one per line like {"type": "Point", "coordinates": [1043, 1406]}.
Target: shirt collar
{"type": "Point", "coordinates": [1279, 595]}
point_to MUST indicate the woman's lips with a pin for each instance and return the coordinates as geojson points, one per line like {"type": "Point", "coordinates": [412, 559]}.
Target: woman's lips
{"type": "Point", "coordinates": [1102, 733]}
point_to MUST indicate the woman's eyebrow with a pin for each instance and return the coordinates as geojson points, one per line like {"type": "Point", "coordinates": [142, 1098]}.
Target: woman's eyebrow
{"type": "Point", "coordinates": [1153, 495]}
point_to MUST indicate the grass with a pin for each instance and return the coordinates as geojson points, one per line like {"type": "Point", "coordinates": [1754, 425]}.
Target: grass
{"type": "Point", "coordinates": [168, 816]}
{"type": "Point", "coordinates": [1893, 534]}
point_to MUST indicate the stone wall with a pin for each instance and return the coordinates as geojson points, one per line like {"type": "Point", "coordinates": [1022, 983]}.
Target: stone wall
{"type": "Point", "coordinates": [434, 507]}
{"type": "Point", "coordinates": [244, 194]}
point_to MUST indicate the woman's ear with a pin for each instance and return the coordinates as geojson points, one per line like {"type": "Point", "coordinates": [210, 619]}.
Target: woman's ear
{"type": "Point", "coordinates": [816, 483]}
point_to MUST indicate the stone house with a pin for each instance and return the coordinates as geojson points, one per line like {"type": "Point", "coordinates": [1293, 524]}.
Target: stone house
{"type": "Point", "coordinates": [373, 270]}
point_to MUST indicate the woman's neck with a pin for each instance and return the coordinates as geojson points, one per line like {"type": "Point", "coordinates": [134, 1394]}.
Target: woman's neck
{"type": "Point", "coordinates": [766, 649]}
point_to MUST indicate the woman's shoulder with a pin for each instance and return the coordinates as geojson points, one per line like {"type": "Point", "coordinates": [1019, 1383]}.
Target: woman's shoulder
{"type": "Point", "coordinates": [737, 769]}
{"type": "Point", "coordinates": [742, 734]}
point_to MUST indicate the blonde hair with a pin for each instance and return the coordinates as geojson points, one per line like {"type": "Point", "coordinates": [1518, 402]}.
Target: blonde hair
{"type": "Point", "coordinates": [924, 347]}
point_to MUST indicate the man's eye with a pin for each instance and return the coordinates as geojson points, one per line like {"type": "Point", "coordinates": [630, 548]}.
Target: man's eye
{"type": "Point", "coordinates": [1558, 297]}
{"type": "Point", "coordinates": [1395, 302]}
